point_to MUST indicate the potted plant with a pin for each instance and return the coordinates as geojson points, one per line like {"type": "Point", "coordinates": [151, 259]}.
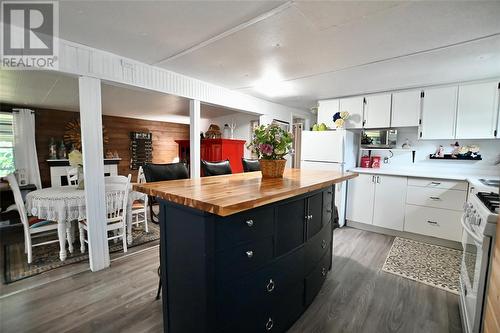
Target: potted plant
{"type": "Point", "coordinates": [271, 143]}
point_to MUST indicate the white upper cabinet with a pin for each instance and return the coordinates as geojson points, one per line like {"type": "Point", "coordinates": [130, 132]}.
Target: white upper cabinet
{"type": "Point", "coordinates": [377, 111]}
{"type": "Point", "coordinates": [353, 105]}
{"type": "Point", "coordinates": [405, 108]}
{"type": "Point", "coordinates": [439, 113]}
{"type": "Point", "coordinates": [477, 110]}
{"type": "Point", "coordinates": [326, 110]}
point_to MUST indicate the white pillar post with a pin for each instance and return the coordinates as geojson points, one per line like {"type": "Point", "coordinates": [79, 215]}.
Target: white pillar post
{"type": "Point", "coordinates": [194, 138]}
{"type": "Point", "coordinates": [93, 169]}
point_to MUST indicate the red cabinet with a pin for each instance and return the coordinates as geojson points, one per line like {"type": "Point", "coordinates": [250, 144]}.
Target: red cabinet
{"type": "Point", "coordinates": [216, 150]}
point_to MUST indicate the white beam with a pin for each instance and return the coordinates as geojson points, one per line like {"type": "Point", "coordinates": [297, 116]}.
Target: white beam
{"type": "Point", "coordinates": [194, 137]}
{"type": "Point", "coordinates": [93, 168]}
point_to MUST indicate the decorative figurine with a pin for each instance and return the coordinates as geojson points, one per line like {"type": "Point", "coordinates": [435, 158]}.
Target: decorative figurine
{"type": "Point", "coordinates": [226, 131]}
{"type": "Point", "coordinates": [52, 149]}
{"type": "Point", "coordinates": [406, 145]}
{"type": "Point", "coordinates": [232, 127]}
{"type": "Point", "coordinates": [61, 152]}
{"type": "Point", "coordinates": [456, 149]}
{"type": "Point", "coordinates": [474, 151]}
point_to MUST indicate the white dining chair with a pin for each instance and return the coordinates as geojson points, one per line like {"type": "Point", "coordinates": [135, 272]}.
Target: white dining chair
{"type": "Point", "coordinates": [72, 176]}
{"type": "Point", "coordinates": [117, 191]}
{"type": "Point", "coordinates": [140, 205]}
{"type": "Point", "coordinates": [32, 225]}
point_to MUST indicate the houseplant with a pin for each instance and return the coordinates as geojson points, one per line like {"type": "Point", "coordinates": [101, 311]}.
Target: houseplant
{"type": "Point", "coordinates": [271, 143]}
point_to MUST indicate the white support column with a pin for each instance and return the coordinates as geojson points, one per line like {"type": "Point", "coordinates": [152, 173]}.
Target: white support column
{"type": "Point", "coordinates": [194, 137]}
{"type": "Point", "coordinates": [93, 168]}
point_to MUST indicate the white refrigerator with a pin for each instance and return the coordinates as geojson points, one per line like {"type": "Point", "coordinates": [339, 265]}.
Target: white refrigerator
{"type": "Point", "coordinates": [331, 150]}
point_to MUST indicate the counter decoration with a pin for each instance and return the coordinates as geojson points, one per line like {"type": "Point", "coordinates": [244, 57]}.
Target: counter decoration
{"type": "Point", "coordinates": [213, 132]}
{"type": "Point", "coordinates": [52, 149]}
{"type": "Point", "coordinates": [458, 152]}
{"type": "Point", "coordinates": [340, 118]}
{"type": "Point", "coordinates": [271, 143]}
{"type": "Point", "coordinates": [76, 161]}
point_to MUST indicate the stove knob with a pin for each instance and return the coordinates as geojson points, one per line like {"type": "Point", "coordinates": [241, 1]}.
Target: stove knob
{"type": "Point", "coordinates": [478, 220]}
{"type": "Point", "coordinates": [472, 219]}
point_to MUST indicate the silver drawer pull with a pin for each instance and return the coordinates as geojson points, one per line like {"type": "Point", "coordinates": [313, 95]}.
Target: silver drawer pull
{"type": "Point", "coordinates": [323, 271]}
{"type": "Point", "coordinates": [329, 192]}
{"type": "Point", "coordinates": [435, 183]}
{"type": "Point", "coordinates": [328, 210]}
{"type": "Point", "coordinates": [432, 222]}
{"type": "Point", "coordinates": [249, 254]}
{"type": "Point", "coordinates": [310, 217]}
{"type": "Point", "coordinates": [270, 285]}
{"type": "Point", "coordinates": [269, 324]}
{"type": "Point", "coordinates": [323, 244]}
{"type": "Point", "coordinates": [435, 198]}
{"type": "Point", "coordinates": [249, 223]}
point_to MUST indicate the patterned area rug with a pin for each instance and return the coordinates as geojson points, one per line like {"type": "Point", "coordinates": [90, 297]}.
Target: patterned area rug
{"type": "Point", "coordinates": [433, 265]}
{"type": "Point", "coordinates": [46, 257]}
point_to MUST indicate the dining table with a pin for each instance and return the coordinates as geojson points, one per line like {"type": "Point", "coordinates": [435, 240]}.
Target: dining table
{"type": "Point", "coordinates": [64, 205]}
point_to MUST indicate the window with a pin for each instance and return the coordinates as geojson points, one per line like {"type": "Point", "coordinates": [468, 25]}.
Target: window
{"type": "Point", "coordinates": [6, 144]}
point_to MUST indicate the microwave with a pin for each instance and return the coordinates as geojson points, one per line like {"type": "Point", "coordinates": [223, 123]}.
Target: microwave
{"type": "Point", "coordinates": [384, 138]}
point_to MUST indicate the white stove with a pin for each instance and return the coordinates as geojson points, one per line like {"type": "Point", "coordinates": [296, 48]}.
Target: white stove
{"type": "Point", "coordinates": [479, 223]}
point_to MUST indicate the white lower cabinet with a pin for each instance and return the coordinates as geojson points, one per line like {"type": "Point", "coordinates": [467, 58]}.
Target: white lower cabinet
{"type": "Point", "coordinates": [360, 197]}
{"type": "Point", "coordinates": [427, 206]}
{"type": "Point", "coordinates": [435, 222]}
{"type": "Point", "coordinates": [378, 200]}
{"type": "Point", "coordinates": [389, 203]}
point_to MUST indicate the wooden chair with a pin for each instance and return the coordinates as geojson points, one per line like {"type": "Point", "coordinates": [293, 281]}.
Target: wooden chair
{"type": "Point", "coordinates": [117, 190]}
{"type": "Point", "coordinates": [139, 206]}
{"type": "Point", "coordinates": [72, 176]}
{"type": "Point", "coordinates": [250, 165]}
{"type": "Point", "coordinates": [31, 224]}
{"type": "Point", "coordinates": [216, 168]}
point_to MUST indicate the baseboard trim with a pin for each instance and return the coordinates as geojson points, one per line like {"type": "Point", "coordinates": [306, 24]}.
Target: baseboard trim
{"type": "Point", "coordinates": [405, 234]}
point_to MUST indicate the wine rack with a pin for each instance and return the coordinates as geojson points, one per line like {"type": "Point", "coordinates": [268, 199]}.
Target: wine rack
{"type": "Point", "coordinates": [141, 149]}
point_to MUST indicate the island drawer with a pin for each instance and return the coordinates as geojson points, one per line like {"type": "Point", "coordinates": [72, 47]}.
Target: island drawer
{"type": "Point", "coordinates": [436, 197]}
{"type": "Point", "coordinates": [276, 315]}
{"type": "Point", "coordinates": [315, 279]}
{"type": "Point", "coordinates": [436, 222]}
{"type": "Point", "coordinates": [438, 183]}
{"type": "Point", "coordinates": [242, 227]}
{"type": "Point", "coordinates": [244, 259]}
{"type": "Point", "coordinates": [317, 246]}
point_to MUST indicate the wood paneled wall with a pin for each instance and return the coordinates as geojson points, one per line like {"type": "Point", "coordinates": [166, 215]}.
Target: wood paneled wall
{"type": "Point", "coordinates": [492, 312]}
{"type": "Point", "coordinates": [51, 123]}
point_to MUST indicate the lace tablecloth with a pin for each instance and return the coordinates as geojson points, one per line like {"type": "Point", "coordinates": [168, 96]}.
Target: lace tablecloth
{"type": "Point", "coordinates": [61, 204]}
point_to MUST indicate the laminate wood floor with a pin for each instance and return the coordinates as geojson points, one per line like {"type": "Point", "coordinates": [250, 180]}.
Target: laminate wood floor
{"type": "Point", "coordinates": [357, 297]}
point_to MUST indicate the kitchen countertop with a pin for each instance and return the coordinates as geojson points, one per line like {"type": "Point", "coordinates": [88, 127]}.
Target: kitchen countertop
{"type": "Point", "coordinates": [229, 194]}
{"type": "Point", "coordinates": [472, 178]}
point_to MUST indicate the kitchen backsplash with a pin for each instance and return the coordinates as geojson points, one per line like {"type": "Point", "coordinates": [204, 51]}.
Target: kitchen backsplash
{"type": "Point", "coordinates": [489, 149]}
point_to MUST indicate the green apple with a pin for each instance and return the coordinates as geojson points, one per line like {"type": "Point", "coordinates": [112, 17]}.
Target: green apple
{"type": "Point", "coordinates": [315, 127]}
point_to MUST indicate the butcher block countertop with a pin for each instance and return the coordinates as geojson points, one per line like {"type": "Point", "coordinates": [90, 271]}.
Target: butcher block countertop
{"type": "Point", "coordinates": [229, 194]}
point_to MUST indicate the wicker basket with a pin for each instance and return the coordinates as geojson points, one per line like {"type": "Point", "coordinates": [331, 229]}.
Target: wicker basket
{"type": "Point", "coordinates": [272, 168]}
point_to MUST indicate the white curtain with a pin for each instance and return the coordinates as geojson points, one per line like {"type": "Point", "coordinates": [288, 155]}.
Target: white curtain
{"type": "Point", "coordinates": [25, 157]}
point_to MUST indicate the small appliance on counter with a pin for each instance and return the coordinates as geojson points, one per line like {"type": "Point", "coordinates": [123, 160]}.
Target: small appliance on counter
{"type": "Point", "coordinates": [384, 138]}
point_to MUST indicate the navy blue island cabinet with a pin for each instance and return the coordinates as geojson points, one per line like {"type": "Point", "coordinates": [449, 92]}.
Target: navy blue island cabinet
{"type": "Point", "coordinates": [253, 271]}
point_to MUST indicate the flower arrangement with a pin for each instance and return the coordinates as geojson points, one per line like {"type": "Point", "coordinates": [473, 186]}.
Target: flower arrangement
{"type": "Point", "coordinates": [339, 118]}
{"type": "Point", "coordinates": [75, 159]}
{"type": "Point", "coordinates": [271, 142]}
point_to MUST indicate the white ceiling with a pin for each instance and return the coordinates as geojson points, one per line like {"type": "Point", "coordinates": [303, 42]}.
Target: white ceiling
{"type": "Point", "coordinates": [320, 49]}
{"type": "Point", "coordinates": [55, 91]}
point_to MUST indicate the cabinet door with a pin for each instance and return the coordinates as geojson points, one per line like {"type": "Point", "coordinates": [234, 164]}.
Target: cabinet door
{"type": "Point", "coordinates": [290, 218]}
{"type": "Point", "coordinates": [439, 113]}
{"type": "Point", "coordinates": [377, 111]}
{"type": "Point", "coordinates": [360, 196]}
{"type": "Point", "coordinates": [405, 108]}
{"type": "Point", "coordinates": [477, 110]}
{"type": "Point", "coordinates": [353, 105]}
{"type": "Point", "coordinates": [315, 214]}
{"type": "Point", "coordinates": [326, 110]}
{"type": "Point", "coordinates": [389, 204]}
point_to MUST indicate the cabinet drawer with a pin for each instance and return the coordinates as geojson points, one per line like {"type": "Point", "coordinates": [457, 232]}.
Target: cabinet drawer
{"type": "Point", "coordinates": [436, 197]}
{"type": "Point", "coordinates": [243, 259]}
{"type": "Point", "coordinates": [247, 226]}
{"type": "Point", "coordinates": [262, 288]}
{"type": "Point", "coordinates": [317, 246]}
{"type": "Point", "coordinates": [436, 222]}
{"type": "Point", "coordinates": [438, 183]}
{"type": "Point", "coordinates": [314, 281]}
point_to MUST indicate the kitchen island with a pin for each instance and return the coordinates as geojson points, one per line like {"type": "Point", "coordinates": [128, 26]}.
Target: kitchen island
{"type": "Point", "coordinates": [240, 253]}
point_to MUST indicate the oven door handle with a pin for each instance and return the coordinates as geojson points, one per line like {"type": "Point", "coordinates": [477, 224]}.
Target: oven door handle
{"type": "Point", "coordinates": [470, 232]}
